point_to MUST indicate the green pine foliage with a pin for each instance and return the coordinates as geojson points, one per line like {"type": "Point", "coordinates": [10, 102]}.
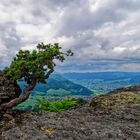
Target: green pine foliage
{"type": "Point", "coordinates": [36, 62]}
{"type": "Point", "coordinates": [43, 105]}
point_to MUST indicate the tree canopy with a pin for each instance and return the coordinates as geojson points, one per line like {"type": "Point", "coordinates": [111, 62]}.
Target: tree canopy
{"type": "Point", "coordinates": [32, 66]}
{"type": "Point", "coordinates": [39, 63]}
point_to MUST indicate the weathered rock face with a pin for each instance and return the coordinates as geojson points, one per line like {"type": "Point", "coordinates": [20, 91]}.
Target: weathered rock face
{"type": "Point", "coordinates": [111, 120]}
{"type": "Point", "coordinates": [8, 90]}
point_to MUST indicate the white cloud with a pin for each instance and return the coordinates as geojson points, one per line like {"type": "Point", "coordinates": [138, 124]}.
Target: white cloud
{"type": "Point", "coordinates": [96, 5]}
{"type": "Point", "coordinates": [3, 49]}
{"type": "Point", "coordinates": [119, 49]}
{"type": "Point", "coordinates": [104, 34]}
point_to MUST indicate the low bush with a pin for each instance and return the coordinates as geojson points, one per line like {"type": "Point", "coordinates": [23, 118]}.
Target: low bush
{"type": "Point", "coordinates": [43, 105]}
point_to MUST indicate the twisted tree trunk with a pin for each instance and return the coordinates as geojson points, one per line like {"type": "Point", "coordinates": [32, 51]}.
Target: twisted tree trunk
{"type": "Point", "coordinates": [31, 81]}
{"type": "Point", "coordinates": [20, 99]}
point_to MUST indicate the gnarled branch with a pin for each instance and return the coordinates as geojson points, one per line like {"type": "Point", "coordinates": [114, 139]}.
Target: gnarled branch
{"type": "Point", "coordinates": [20, 99]}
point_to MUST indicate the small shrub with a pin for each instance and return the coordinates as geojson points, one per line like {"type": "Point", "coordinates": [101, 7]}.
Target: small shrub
{"type": "Point", "coordinates": [43, 105]}
{"type": "Point", "coordinates": [80, 101]}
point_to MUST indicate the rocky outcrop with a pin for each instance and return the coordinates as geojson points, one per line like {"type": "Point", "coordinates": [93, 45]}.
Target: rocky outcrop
{"type": "Point", "coordinates": [106, 117]}
{"type": "Point", "coordinates": [135, 88]}
{"type": "Point", "coordinates": [8, 90]}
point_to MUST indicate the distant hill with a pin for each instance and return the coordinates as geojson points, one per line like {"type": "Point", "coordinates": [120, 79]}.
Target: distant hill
{"type": "Point", "coordinates": [59, 86]}
{"type": "Point", "coordinates": [104, 75]}
{"type": "Point", "coordinates": [56, 88]}
{"type": "Point", "coordinates": [104, 81]}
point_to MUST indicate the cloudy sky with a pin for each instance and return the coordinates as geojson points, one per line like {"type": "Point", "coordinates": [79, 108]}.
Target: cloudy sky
{"type": "Point", "coordinates": [104, 34]}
